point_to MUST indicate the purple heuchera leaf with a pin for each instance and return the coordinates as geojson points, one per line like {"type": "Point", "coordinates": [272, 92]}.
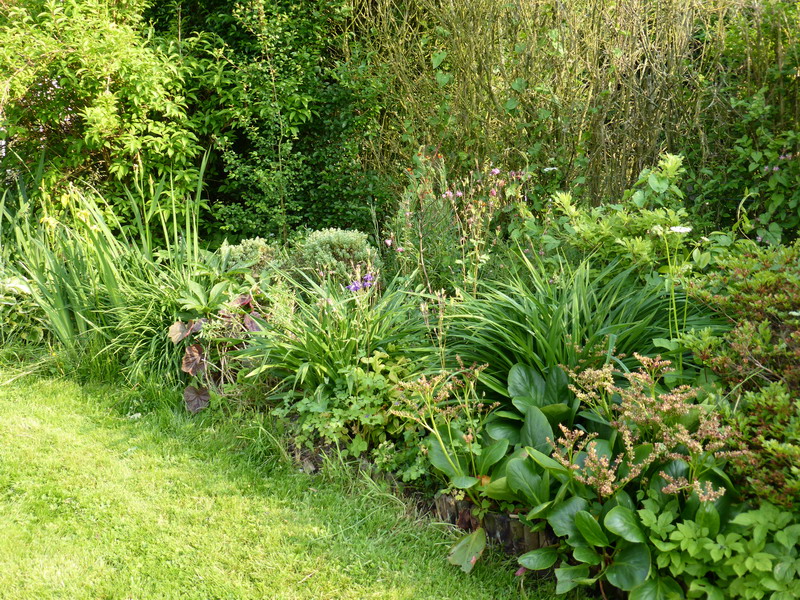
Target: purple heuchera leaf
{"type": "Point", "coordinates": [250, 324]}
{"type": "Point", "coordinates": [243, 300]}
{"type": "Point", "coordinates": [192, 360]}
{"type": "Point", "coordinates": [196, 399]}
{"type": "Point", "coordinates": [196, 326]}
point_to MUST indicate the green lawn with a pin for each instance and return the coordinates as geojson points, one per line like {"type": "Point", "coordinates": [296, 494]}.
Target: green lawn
{"type": "Point", "coordinates": [94, 504]}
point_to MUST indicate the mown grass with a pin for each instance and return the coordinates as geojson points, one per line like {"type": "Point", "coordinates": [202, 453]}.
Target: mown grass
{"type": "Point", "coordinates": [96, 504]}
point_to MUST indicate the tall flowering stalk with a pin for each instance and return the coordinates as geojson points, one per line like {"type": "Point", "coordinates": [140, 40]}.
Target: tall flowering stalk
{"type": "Point", "coordinates": [677, 269]}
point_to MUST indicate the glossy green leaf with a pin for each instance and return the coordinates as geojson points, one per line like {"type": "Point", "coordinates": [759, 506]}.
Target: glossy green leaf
{"type": "Point", "coordinates": [556, 386]}
{"type": "Point", "coordinates": [590, 529]}
{"type": "Point", "coordinates": [658, 588]}
{"type": "Point", "coordinates": [542, 558]}
{"type": "Point", "coordinates": [556, 414]}
{"type": "Point", "coordinates": [562, 516]}
{"type": "Point", "coordinates": [503, 429]}
{"type": "Point", "coordinates": [630, 568]}
{"type": "Point", "coordinates": [536, 430]}
{"type": "Point", "coordinates": [523, 403]}
{"type": "Point", "coordinates": [464, 482]}
{"type": "Point", "coordinates": [658, 183]}
{"type": "Point", "coordinates": [468, 550]}
{"type": "Point", "coordinates": [525, 381]}
{"type": "Point", "coordinates": [539, 511]}
{"type": "Point", "coordinates": [707, 516]}
{"type": "Point", "coordinates": [439, 459]}
{"type": "Point", "coordinates": [547, 463]}
{"type": "Point", "coordinates": [498, 489]}
{"type": "Point", "coordinates": [524, 478]}
{"type": "Point", "coordinates": [490, 456]}
{"type": "Point", "coordinates": [507, 414]}
{"type": "Point", "coordinates": [711, 591]}
{"type": "Point", "coordinates": [568, 578]}
{"type": "Point", "coordinates": [623, 522]}
{"type": "Point", "coordinates": [586, 555]}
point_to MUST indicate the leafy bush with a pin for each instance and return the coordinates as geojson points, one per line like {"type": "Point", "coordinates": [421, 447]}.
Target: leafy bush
{"type": "Point", "coordinates": [648, 229]}
{"type": "Point", "coordinates": [254, 254]}
{"type": "Point", "coordinates": [756, 289]}
{"type": "Point", "coordinates": [625, 441]}
{"type": "Point", "coordinates": [290, 116]}
{"type": "Point", "coordinates": [336, 254]}
{"type": "Point", "coordinates": [759, 173]}
{"type": "Point", "coordinates": [768, 424]}
{"type": "Point", "coordinates": [754, 555]}
{"type": "Point", "coordinates": [87, 86]}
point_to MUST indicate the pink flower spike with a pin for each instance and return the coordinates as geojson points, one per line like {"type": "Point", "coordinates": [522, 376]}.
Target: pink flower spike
{"type": "Point", "coordinates": [473, 560]}
{"type": "Point", "coordinates": [520, 572]}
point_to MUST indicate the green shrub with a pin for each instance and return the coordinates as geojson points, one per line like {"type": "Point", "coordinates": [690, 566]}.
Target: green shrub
{"type": "Point", "coordinates": [86, 84]}
{"type": "Point", "coordinates": [287, 100]}
{"type": "Point", "coordinates": [253, 254]}
{"type": "Point", "coordinates": [757, 173]}
{"type": "Point", "coordinates": [756, 288]}
{"type": "Point", "coordinates": [339, 255]}
{"type": "Point", "coordinates": [754, 555]}
{"type": "Point", "coordinates": [768, 425]}
{"type": "Point", "coordinates": [647, 229]}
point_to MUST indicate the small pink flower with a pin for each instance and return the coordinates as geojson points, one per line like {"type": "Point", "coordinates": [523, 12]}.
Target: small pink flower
{"type": "Point", "coordinates": [493, 192]}
{"type": "Point", "coordinates": [401, 249]}
{"type": "Point", "coordinates": [495, 171]}
{"type": "Point", "coordinates": [459, 193]}
{"type": "Point", "coordinates": [520, 572]}
{"type": "Point", "coordinates": [388, 243]}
